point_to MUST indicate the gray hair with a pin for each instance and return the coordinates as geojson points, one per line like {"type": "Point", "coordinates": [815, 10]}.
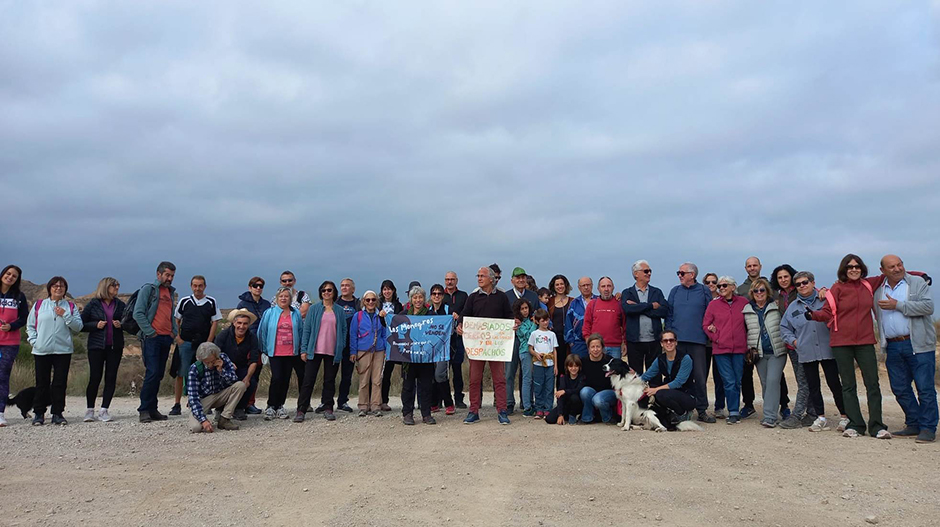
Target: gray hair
{"type": "Point", "coordinates": [490, 271]}
{"type": "Point", "coordinates": [804, 274]}
{"type": "Point", "coordinates": [637, 264]}
{"type": "Point", "coordinates": [206, 350]}
{"type": "Point", "coordinates": [281, 290]}
{"type": "Point", "coordinates": [694, 268]}
{"type": "Point", "coordinates": [605, 278]}
{"type": "Point", "coordinates": [417, 290]}
{"type": "Point", "coordinates": [728, 280]}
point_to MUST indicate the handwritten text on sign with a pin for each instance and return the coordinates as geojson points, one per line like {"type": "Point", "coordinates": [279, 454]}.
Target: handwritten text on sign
{"type": "Point", "coordinates": [488, 338]}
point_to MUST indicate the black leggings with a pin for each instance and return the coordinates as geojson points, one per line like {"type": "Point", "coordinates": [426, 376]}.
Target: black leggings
{"type": "Point", "coordinates": [311, 368]}
{"type": "Point", "coordinates": [675, 400]}
{"type": "Point", "coordinates": [831, 371]}
{"type": "Point", "coordinates": [281, 368]}
{"type": "Point", "coordinates": [387, 378]}
{"type": "Point", "coordinates": [422, 376]}
{"type": "Point", "coordinates": [52, 376]}
{"type": "Point", "coordinates": [102, 361]}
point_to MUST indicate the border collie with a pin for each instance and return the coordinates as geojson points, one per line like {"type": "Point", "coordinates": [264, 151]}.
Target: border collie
{"type": "Point", "coordinates": [636, 408]}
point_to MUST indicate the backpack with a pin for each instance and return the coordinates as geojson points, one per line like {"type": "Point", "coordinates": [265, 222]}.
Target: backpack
{"type": "Point", "coordinates": [834, 323]}
{"type": "Point", "coordinates": [128, 323]}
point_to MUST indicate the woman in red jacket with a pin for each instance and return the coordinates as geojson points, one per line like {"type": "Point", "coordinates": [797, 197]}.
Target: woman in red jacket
{"type": "Point", "coordinates": [848, 313]}
{"type": "Point", "coordinates": [724, 325]}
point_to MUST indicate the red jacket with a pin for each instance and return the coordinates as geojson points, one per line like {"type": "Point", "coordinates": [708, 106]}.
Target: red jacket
{"type": "Point", "coordinates": [605, 317]}
{"type": "Point", "coordinates": [854, 303]}
{"type": "Point", "coordinates": [730, 334]}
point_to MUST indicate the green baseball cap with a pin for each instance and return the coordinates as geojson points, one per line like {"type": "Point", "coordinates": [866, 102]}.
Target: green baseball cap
{"type": "Point", "coordinates": [518, 271]}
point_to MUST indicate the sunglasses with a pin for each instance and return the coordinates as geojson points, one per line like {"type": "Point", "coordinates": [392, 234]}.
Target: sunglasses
{"type": "Point", "coordinates": [327, 290]}
{"type": "Point", "coordinates": [682, 273]}
{"type": "Point", "coordinates": [258, 285]}
{"type": "Point", "coordinates": [437, 293]}
{"type": "Point", "coordinates": [802, 283]}
{"type": "Point", "coordinates": [288, 281]}
{"type": "Point", "coordinates": [722, 286]}
{"type": "Point", "coordinates": [668, 340]}
{"type": "Point", "coordinates": [711, 282]}
{"type": "Point", "coordinates": [759, 290]}
{"type": "Point", "coordinates": [851, 267]}
{"type": "Point", "coordinates": [369, 300]}
{"type": "Point", "coordinates": [647, 271]}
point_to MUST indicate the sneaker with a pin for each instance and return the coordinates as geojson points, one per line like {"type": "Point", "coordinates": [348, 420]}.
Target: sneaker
{"type": "Point", "coordinates": [89, 416]}
{"type": "Point", "coordinates": [460, 405]}
{"type": "Point", "coordinates": [3, 420]}
{"type": "Point", "coordinates": [144, 417]}
{"type": "Point", "coordinates": [282, 413]}
{"type": "Point", "coordinates": [299, 416]}
{"type": "Point", "coordinates": [328, 415]}
{"type": "Point", "coordinates": [785, 413]}
{"type": "Point", "coordinates": [104, 415]}
{"type": "Point", "coordinates": [176, 410]}
{"type": "Point", "coordinates": [408, 419]}
{"type": "Point", "coordinates": [909, 431]}
{"type": "Point", "coordinates": [843, 424]}
{"type": "Point", "coordinates": [720, 413]}
{"type": "Point", "coordinates": [429, 420]}
{"type": "Point", "coordinates": [528, 412]}
{"type": "Point", "coordinates": [503, 418]}
{"type": "Point", "coordinates": [157, 416]}
{"type": "Point", "coordinates": [227, 424]}
{"type": "Point", "coordinates": [538, 415]}
{"type": "Point", "coordinates": [240, 415]}
{"type": "Point", "coordinates": [471, 418]}
{"type": "Point", "coordinates": [821, 424]}
{"type": "Point", "coordinates": [572, 419]}
{"type": "Point", "coordinates": [807, 420]}
{"type": "Point", "coordinates": [39, 420]}
{"type": "Point", "coordinates": [345, 407]}
{"type": "Point", "coordinates": [319, 409]}
{"type": "Point", "coordinates": [705, 418]}
{"type": "Point", "coordinates": [450, 410]}
{"type": "Point", "coordinates": [435, 409]}
{"type": "Point", "coordinates": [733, 419]}
{"type": "Point", "coordinates": [883, 434]}
{"type": "Point", "coordinates": [385, 407]}
{"type": "Point", "coordinates": [363, 413]}
{"type": "Point", "coordinates": [746, 412]}
{"type": "Point", "coordinates": [269, 413]}
{"type": "Point", "coordinates": [926, 436]}
{"type": "Point", "coordinates": [253, 410]}
{"type": "Point", "coordinates": [849, 432]}
{"type": "Point", "coordinates": [767, 423]}
{"type": "Point", "coordinates": [791, 422]}
{"type": "Point", "coordinates": [57, 419]}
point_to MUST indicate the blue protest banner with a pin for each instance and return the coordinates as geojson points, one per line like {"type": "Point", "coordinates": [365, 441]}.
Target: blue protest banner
{"type": "Point", "coordinates": [416, 338]}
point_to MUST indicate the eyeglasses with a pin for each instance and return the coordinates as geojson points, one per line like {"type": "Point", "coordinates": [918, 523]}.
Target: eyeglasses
{"type": "Point", "coordinates": [711, 282]}
{"type": "Point", "coordinates": [647, 271]}
{"type": "Point", "coordinates": [680, 274]}
{"type": "Point", "coordinates": [759, 290]}
{"type": "Point", "coordinates": [852, 267]}
{"type": "Point", "coordinates": [722, 286]}
{"type": "Point", "coordinates": [668, 340]}
{"type": "Point", "coordinates": [327, 290]}
{"type": "Point", "coordinates": [258, 285]}
{"type": "Point", "coordinates": [56, 286]}
{"type": "Point", "coordinates": [802, 283]}
{"type": "Point", "coordinates": [369, 300]}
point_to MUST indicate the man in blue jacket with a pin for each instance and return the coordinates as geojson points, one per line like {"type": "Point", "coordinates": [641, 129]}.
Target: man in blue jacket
{"type": "Point", "coordinates": [153, 312]}
{"type": "Point", "coordinates": [687, 303]}
{"type": "Point", "coordinates": [645, 307]}
{"type": "Point", "coordinates": [574, 319]}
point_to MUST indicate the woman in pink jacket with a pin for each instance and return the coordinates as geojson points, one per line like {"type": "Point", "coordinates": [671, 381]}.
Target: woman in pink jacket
{"type": "Point", "coordinates": [724, 325]}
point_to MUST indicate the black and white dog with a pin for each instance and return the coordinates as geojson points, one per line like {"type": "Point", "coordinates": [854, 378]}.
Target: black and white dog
{"type": "Point", "coordinates": [23, 400]}
{"type": "Point", "coordinates": [638, 409]}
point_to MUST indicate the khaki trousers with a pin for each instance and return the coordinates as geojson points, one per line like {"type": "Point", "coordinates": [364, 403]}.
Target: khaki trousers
{"type": "Point", "coordinates": [369, 367]}
{"type": "Point", "coordinates": [227, 400]}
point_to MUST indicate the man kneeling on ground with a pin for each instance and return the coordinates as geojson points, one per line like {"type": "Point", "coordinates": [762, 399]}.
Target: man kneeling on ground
{"type": "Point", "coordinates": [213, 383]}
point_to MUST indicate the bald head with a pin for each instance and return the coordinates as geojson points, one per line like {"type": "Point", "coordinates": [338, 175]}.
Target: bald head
{"type": "Point", "coordinates": [893, 268]}
{"type": "Point", "coordinates": [753, 267]}
{"type": "Point", "coordinates": [586, 287]}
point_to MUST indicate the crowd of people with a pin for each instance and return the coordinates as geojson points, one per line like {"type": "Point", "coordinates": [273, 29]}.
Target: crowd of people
{"type": "Point", "coordinates": [562, 342]}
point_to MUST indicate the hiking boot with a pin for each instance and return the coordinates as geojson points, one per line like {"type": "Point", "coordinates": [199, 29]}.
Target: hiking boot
{"type": "Point", "coordinates": [299, 416]}
{"type": "Point", "coordinates": [104, 415]}
{"type": "Point", "coordinates": [363, 413]}
{"type": "Point", "coordinates": [240, 414]}
{"type": "Point", "coordinates": [385, 407]}
{"type": "Point", "coordinates": [926, 436]}
{"type": "Point", "coordinates": [791, 422]}
{"type": "Point", "coordinates": [807, 420]}
{"type": "Point", "coordinates": [253, 410]}
{"type": "Point", "coordinates": [89, 416]}
{"type": "Point", "coordinates": [328, 415]}
{"type": "Point", "coordinates": [821, 424]}
{"type": "Point", "coordinates": [705, 418]}
{"type": "Point", "coordinates": [57, 419]}
{"type": "Point", "coordinates": [157, 416]}
{"type": "Point", "coordinates": [429, 420]}
{"type": "Point", "coordinates": [39, 420]}
{"type": "Point", "coordinates": [226, 424]}
{"type": "Point", "coordinates": [345, 407]}
{"type": "Point", "coordinates": [747, 411]}
{"type": "Point", "coordinates": [176, 410]}
{"type": "Point", "coordinates": [144, 417]}
{"type": "Point", "coordinates": [909, 431]}
{"type": "Point", "coordinates": [450, 410]}
{"type": "Point", "coordinates": [408, 419]}
{"type": "Point", "coordinates": [472, 417]}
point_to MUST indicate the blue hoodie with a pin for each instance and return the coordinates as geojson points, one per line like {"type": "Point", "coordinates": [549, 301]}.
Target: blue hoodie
{"type": "Point", "coordinates": [366, 332]}
{"type": "Point", "coordinates": [687, 307]}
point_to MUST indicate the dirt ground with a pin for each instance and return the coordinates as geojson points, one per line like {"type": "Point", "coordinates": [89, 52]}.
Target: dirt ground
{"type": "Point", "coordinates": [376, 471]}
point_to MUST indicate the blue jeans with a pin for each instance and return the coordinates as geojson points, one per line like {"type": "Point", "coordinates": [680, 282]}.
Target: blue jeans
{"type": "Point", "coordinates": [731, 368]}
{"type": "Point", "coordinates": [521, 359]}
{"type": "Point", "coordinates": [579, 349]}
{"type": "Point", "coordinates": [543, 378]}
{"type": "Point", "coordinates": [904, 367]}
{"type": "Point", "coordinates": [605, 401]}
{"type": "Point", "coordinates": [155, 351]}
{"type": "Point", "coordinates": [613, 352]}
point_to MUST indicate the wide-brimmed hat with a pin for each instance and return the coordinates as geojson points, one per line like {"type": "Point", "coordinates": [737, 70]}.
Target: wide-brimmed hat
{"type": "Point", "coordinates": [242, 312]}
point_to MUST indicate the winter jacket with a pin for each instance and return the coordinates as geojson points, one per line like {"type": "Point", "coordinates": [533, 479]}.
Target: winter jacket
{"type": "Point", "coordinates": [811, 337]}
{"type": "Point", "coordinates": [242, 355]}
{"type": "Point", "coordinates": [94, 313]}
{"type": "Point", "coordinates": [918, 309]}
{"type": "Point", "coordinates": [853, 324]}
{"type": "Point", "coordinates": [14, 310]}
{"type": "Point", "coordinates": [633, 311]}
{"type": "Point", "coordinates": [267, 330]}
{"type": "Point", "coordinates": [148, 298]}
{"type": "Point", "coordinates": [311, 332]}
{"type": "Point", "coordinates": [48, 333]}
{"type": "Point", "coordinates": [574, 320]}
{"type": "Point", "coordinates": [246, 301]}
{"type": "Point", "coordinates": [607, 318]}
{"type": "Point", "coordinates": [366, 333]}
{"type": "Point", "coordinates": [687, 307]}
{"type": "Point", "coordinates": [730, 334]}
{"type": "Point", "coordinates": [772, 318]}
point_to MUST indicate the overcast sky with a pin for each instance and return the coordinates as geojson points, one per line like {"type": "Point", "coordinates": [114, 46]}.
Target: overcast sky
{"type": "Point", "coordinates": [403, 139]}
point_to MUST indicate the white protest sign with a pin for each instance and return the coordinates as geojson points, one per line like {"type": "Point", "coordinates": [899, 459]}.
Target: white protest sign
{"type": "Point", "coordinates": [488, 338]}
